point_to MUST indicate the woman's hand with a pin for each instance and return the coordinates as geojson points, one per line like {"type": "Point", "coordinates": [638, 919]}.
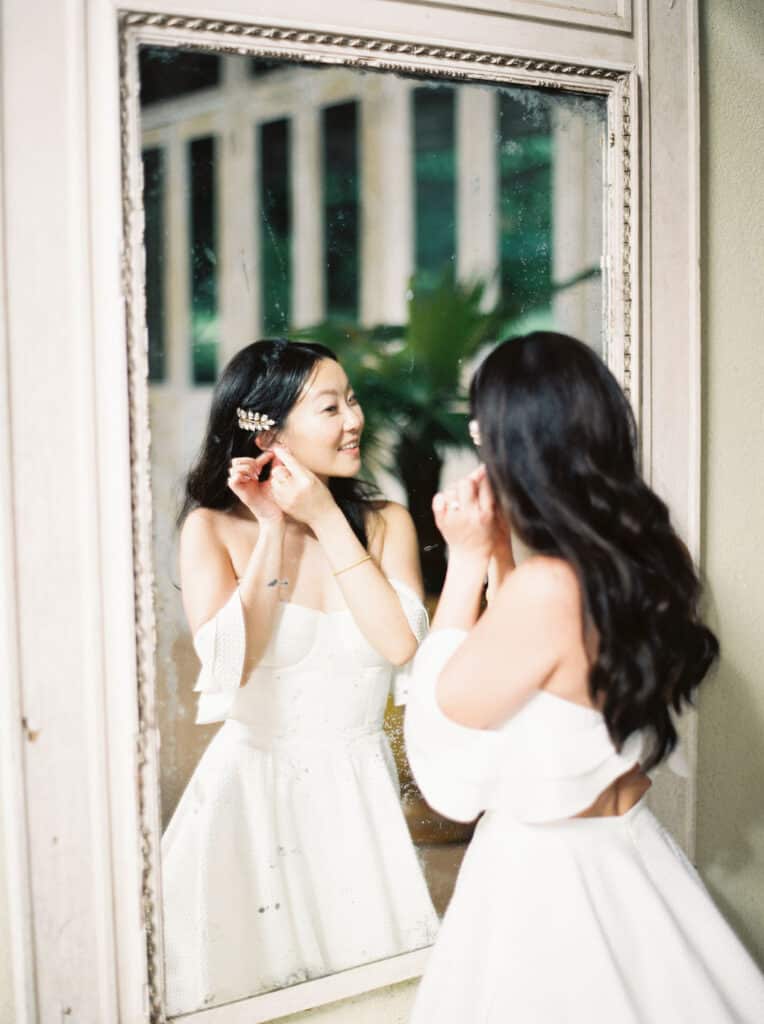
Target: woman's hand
{"type": "Point", "coordinates": [466, 516]}
{"type": "Point", "coordinates": [256, 495]}
{"type": "Point", "coordinates": [297, 491]}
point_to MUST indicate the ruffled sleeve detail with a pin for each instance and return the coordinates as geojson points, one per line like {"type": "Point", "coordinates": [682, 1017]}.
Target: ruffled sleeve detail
{"type": "Point", "coordinates": [455, 767]}
{"type": "Point", "coordinates": [550, 760]}
{"type": "Point", "coordinates": [221, 646]}
{"type": "Point", "coordinates": [419, 623]}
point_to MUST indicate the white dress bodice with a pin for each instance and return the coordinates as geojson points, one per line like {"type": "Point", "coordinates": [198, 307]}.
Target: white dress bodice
{"type": "Point", "coordinates": [287, 691]}
{"type": "Point", "coordinates": [319, 677]}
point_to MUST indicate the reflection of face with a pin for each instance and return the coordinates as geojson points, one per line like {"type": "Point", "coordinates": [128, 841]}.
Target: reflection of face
{"type": "Point", "coordinates": [323, 429]}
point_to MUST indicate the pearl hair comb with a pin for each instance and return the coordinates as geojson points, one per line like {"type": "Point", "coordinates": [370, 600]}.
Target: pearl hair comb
{"type": "Point", "coordinates": [255, 421]}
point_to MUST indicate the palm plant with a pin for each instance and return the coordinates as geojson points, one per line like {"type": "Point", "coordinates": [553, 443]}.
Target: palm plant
{"type": "Point", "coordinates": [409, 381]}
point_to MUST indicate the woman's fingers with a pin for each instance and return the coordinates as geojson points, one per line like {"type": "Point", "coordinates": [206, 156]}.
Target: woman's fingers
{"type": "Point", "coordinates": [292, 464]}
{"type": "Point", "coordinates": [466, 492]}
{"type": "Point", "coordinates": [246, 467]}
{"type": "Point", "coordinates": [249, 468]}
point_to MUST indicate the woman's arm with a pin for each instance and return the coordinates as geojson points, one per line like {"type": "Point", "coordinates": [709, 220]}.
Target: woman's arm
{"type": "Point", "coordinates": [373, 602]}
{"type": "Point", "coordinates": [371, 599]}
{"type": "Point", "coordinates": [530, 621]}
{"type": "Point", "coordinates": [515, 648]}
{"type": "Point", "coordinates": [208, 580]}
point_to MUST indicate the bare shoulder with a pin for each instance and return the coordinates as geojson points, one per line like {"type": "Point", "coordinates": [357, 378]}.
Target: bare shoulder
{"type": "Point", "coordinates": [549, 586]}
{"type": "Point", "coordinates": [200, 522]}
{"type": "Point", "coordinates": [207, 528]}
{"type": "Point", "coordinates": [388, 519]}
{"type": "Point", "coordinates": [207, 577]}
{"type": "Point", "coordinates": [398, 547]}
{"type": "Point", "coordinates": [395, 516]}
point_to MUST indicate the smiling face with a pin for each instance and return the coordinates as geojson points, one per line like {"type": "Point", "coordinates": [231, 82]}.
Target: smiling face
{"type": "Point", "coordinates": [323, 429]}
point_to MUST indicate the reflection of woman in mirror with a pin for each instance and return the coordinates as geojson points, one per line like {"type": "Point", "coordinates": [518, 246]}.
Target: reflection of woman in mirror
{"type": "Point", "coordinates": [288, 856]}
{"type": "Point", "coordinates": [547, 711]}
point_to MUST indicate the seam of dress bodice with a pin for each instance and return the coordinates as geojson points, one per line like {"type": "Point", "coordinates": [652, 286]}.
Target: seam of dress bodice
{"type": "Point", "coordinates": [318, 611]}
{"type": "Point", "coordinates": [319, 637]}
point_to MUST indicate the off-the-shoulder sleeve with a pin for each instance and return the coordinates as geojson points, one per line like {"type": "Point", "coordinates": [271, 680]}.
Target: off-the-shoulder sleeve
{"type": "Point", "coordinates": [221, 646]}
{"type": "Point", "coordinates": [455, 767]}
{"type": "Point", "coordinates": [419, 623]}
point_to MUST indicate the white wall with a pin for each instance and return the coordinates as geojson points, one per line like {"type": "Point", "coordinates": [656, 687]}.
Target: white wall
{"type": "Point", "coordinates": [6, 987]}
{"type": "Point", "coordinates": [730, 822]}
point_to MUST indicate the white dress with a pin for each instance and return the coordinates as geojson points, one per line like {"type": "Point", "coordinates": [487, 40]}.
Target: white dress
{"type": "Point", "coordinates": [561, 920]}
{"type": "Point", "coordinates": [288, 856]}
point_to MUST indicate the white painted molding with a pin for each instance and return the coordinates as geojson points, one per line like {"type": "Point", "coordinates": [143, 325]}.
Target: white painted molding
{"type": "Point", "coordinates": [13, 725]}
{"type": "Point", "coordinates": [331, 989]}
{"type": "Point", "coordinates": [612, 14]}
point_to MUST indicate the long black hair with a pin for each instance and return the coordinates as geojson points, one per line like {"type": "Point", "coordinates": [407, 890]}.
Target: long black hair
{"type": "Point", "coordinates": [558, 438]}
{"type": "Point", "coordinates": [266, 376]}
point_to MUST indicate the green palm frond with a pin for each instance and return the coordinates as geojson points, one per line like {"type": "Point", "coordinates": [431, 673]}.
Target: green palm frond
{"type": "Point", "coordinates": [408, 377]}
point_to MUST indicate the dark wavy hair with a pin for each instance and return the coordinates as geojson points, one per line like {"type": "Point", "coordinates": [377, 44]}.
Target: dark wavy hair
{"type": "Point", "coordinates": [266, 376]}
{"type": "Point", "coordinates": [558, 438]}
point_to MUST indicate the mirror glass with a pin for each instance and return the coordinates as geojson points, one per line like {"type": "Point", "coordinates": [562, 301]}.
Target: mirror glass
{"type": "Point", "coordinates": [407, 224]}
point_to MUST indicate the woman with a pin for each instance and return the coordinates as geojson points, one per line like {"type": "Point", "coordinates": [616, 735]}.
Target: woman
{"type": "Point", "coordinates": [288, 856]}
{"type": "Point", "coordinates": [548, 711]}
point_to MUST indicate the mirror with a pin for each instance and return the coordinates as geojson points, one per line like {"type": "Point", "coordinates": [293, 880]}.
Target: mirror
{"type": "Point", "coordinates": [408, 223]}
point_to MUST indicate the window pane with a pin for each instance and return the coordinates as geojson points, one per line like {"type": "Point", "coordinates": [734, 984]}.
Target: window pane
{"type": "Point", "coordinates": [435, 181]}
{"type": "Point", "coordinates": [276, 214]}
{"type": "Point", "coordinates": [167, 72]}
{"type": "Point", "coordinates": [204, 284]}
{"type": "Point", "coordinates": [153, 206]}
{"type": "Point", "coordinates": [259, 66]}
{"type": "Point", "coordinates": [341, 212]}
{"type": "Point", "coordinates": [525, 188]}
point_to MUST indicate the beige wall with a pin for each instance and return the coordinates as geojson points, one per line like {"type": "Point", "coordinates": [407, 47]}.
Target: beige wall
{"type": "Point", "coordinates": [730, 837]}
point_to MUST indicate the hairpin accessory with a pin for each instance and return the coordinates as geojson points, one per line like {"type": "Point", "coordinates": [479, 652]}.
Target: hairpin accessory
{"type": "Point", "coordinates": [256, 421]}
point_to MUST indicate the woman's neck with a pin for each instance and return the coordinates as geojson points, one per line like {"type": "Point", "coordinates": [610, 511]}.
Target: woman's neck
{"type": "Point", "coordinates": [520, 550]}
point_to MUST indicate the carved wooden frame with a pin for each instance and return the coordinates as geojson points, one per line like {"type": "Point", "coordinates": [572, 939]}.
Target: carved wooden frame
{"type": "Point", "coordinates": [618, 85]}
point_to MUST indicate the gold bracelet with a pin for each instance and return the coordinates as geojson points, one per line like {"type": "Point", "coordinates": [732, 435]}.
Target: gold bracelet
{"type": "Point", "coordinates": [353, 565]}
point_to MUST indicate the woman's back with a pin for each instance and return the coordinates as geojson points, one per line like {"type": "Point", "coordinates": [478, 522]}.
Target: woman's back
{"type": "Point", "coordinates": [533, 641]}
{"type": "Point", "coordinates": [573, 904]}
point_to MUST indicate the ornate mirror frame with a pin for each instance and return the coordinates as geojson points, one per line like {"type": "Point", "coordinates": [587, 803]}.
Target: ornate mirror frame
{"type": "Point", "coordinates": [76, 224]}
{"type": "Point", "coordinates": [619, 88]}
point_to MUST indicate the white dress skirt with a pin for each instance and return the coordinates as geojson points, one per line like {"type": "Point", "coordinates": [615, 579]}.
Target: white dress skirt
{"type": "Point", "coordinates": [288, 856]}
{"type": "Point", "coordinates": [557, 919]}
